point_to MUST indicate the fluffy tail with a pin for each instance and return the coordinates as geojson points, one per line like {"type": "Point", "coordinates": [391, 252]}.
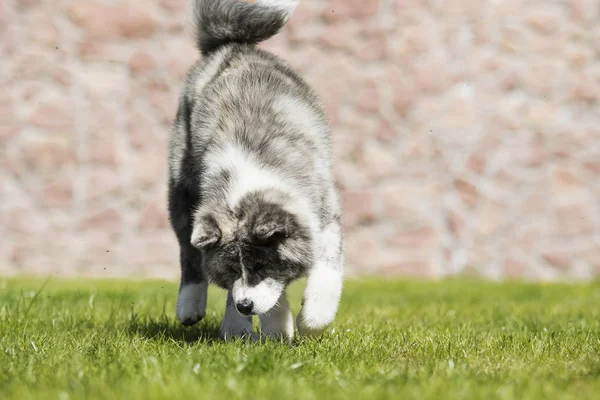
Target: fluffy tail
{"type": "Point", "coordinates": [219, 22]}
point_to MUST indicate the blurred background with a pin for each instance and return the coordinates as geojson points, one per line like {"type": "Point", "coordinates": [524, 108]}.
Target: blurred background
{"type": "Point", "coordinates": [467, 133]}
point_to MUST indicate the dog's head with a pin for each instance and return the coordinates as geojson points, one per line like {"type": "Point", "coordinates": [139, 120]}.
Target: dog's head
{"type": "Point", "coordinates": [254, 249]}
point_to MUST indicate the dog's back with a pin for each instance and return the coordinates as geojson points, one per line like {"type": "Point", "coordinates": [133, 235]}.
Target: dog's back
{"type": "Point", "coordinates": [250, 110]}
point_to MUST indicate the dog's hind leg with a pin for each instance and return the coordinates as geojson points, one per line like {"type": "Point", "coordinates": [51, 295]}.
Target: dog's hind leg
{"type": "Point", "coordinates": [278, 322]}
{"type": "Point", "coordinates": [324, 284]}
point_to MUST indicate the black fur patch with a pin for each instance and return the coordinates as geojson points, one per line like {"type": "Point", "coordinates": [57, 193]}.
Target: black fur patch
{"type": "Point", "coordinates": [258, 246]}
{"type": "Point", "coordinates": [183, 198]}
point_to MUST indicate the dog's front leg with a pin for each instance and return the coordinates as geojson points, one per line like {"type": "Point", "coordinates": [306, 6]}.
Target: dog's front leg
{"type": "Point", "coordinates": [278, 322]}
{"type": "Point", "coordinates": [191, 302]}
{"type": "Point", "coordinates": [193, 291]}
{"type": "Point", "coordinates": [324, 285]}
{"type": "Point", "coordinates": [235, 325]}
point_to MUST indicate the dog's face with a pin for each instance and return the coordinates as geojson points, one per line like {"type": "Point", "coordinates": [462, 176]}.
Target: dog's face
{"type": "Point", "coordinates": [254, 250]}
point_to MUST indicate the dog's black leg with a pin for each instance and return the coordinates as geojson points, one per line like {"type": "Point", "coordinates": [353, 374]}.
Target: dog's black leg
{"type": "Point", "coordinates": [191, 303]}
{"type": "Point", "coordinates": [184, 197]}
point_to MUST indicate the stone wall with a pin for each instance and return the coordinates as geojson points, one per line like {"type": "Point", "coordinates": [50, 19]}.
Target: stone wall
{"type": "Point", "coordinates": [467, 133]}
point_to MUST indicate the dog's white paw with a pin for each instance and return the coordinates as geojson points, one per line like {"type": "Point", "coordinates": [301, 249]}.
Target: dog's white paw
{"type": "Point", "coordinates": [321, 300]}
{"type": "Point", "coordinates": [313, 319]}
{"type": "Point", "coordinates": [191, 303]}
{"type": "Point", "coordinates": [278, 323]}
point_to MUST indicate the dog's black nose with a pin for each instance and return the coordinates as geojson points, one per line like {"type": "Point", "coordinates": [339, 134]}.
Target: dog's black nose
{"type": "Point", "coordinates": [245, 307]}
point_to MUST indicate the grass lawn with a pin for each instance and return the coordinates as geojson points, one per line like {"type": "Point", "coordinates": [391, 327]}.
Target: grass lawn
{"type": "Point", "coordinates": [396, 340]}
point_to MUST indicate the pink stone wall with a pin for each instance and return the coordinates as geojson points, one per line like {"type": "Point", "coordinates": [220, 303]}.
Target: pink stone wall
{"type": "Point", "coordinates": [467, 133]}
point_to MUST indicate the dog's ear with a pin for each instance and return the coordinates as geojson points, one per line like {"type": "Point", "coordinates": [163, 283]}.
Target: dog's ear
{"type": "Point", "coordinates": [273, 223]}
{"type": "Point", "coordinates": [206, 232]}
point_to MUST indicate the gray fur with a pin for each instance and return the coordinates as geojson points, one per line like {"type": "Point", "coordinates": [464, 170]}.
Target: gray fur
{"type": "Point", "coordinates": [231, 21]}
{"type": "Point", "coordinates": [251, 187]}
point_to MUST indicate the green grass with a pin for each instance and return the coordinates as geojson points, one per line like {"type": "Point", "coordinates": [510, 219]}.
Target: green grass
{"type": "Point", "coordinates": [396, 340]}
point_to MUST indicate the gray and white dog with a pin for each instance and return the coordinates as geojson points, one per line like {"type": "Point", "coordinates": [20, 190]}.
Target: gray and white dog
{"type": "Point", "coordinates": [252, 196]}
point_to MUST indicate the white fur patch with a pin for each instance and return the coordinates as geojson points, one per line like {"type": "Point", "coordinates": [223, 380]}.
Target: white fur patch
{"type": "Point", "coordinates": [321, 300]}
{"type": "Point", "coordinates": [264, 295]}
{"type": "Point", "coordinates": [279, 322]}
{"type": "Point", "coordinates": [235, 325]}
{"type": "Point", "coordinates": [324, 285]}
{"type": "Point", "coordinates": [246, 173]}
{"type": "Point", "coordinates": [247, 176]}
{"type": "Point", "coordinates": [191, 303]}
{"type": "Point", "coordinates": [330, 250]}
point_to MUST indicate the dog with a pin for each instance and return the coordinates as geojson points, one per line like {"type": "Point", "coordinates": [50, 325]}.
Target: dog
{"type": "Point", "coordinates": [252, 194]}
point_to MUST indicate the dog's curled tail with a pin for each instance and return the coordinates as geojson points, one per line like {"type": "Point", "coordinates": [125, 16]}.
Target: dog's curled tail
{"type": "Point", "coordinates": [219, 22]}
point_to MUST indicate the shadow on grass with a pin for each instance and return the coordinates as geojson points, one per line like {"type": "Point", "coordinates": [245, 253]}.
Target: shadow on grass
{"type": "Point", "coordinates": [206, 333]}
{"type": "Point", "coordinates": [166, 329]}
